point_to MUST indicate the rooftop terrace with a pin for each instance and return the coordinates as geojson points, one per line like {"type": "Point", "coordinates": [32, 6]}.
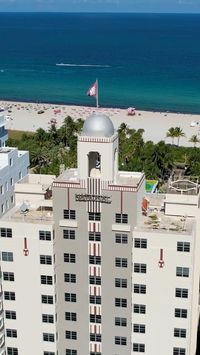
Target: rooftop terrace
{"type": "Point", "coordinates": [155, 220]}
{"type": "Point", "coordinates": [39, 214]}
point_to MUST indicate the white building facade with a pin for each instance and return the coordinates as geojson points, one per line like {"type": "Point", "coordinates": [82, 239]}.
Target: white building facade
{"type": "Point", "coordinates": [85, 272]}
{"type": "Point", "coordinates": [28, 270]}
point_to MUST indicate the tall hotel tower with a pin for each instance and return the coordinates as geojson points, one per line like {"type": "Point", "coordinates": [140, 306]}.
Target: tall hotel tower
{"type": "Point", "coordinates": [102, 271]}
{"type": "Point", "coordinates": [126, 283]}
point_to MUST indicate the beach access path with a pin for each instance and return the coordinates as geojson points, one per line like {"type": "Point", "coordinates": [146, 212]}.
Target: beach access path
{"type": "Point", "coordinates": [24, 116]}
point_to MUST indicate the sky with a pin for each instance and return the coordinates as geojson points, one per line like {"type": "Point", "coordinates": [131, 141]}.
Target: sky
{"type": "Point", "coordinates": [182, 6]}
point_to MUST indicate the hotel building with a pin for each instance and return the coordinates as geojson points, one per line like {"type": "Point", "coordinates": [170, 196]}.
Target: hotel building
{"type": "Point", "coordinates": [98, 269]}
{"type": "Point", "coordinates": [14, 165]}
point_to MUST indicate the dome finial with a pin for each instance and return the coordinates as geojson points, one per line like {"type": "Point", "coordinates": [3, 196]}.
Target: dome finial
{"type": "Point", "coordinates": [98, 125]}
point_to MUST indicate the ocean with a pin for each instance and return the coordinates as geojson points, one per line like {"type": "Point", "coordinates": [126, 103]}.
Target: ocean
{"type": "Point", "coordinates": [148, 61]}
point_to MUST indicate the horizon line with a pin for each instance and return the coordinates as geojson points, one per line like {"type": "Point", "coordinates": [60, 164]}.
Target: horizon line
{"type": "Point", "coordinates": [103, 12]}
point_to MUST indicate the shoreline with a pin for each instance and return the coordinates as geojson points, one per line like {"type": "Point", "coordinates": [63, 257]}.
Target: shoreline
{"type": "Point", "coordinates": [122, 107]}
{"type": "Point", "coordinates": [24, 116]}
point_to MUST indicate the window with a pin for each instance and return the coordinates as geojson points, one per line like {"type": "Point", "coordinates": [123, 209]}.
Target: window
{"type": "Point", "coordinates": [11, 182]}
{"type": "Point", "coordinates": [70, 316]}
{"type": "Point", "coordinates": [6, 232]}
{"type": "Point", "coordinates": [181, 292]}
{"type": "Point", "coordinates": [10, 314]}
{"type": "Point", "coordinates": [180, 333]}
{"type": "Point", "coordinates": [47, 299]}
{"type": "Point", "coordinates": [70, 278]}
{"type": "Point", "coordinates": [139, 288]}
{"type": "Point", "coordinates": [1, 190]}
{"type": "Point", "coordinates": [44, 235]}
{"type": "Point", "coordinates": [69, 214]}
{"type": "Point", "coordinates": [94, 216]}
{"type": "Point", "coordinates": [122, 322]}
{"type": "Point", "coordinates": [121, 283]}
{"type": "Point", "coordinates": [46, 259]}
{"type": "Point", "coordinates": [95, 299]}
{"type": "Point", "coordinates": [95, 353]}
{"type": "Point", "coordinates": [12, 351]}
{"type": "Point", "coordinates": [48, 337]}
{"type": "Point", "coordinates": [7, 256]}
{"type": "Point", "coordinates": [139, 348]}
{"type": "Point", "coordinates": [95, 260]}
{"type": "Point", "coordinates": [121, 238]}
{"type": "Point", "coordinates": [183, 246]}
{"type": "Point", "coordinates": [8, 276]}
{"type": "Point", "coordinates": [70, 335]}
{"type": "Point", "coordinates": [120, 341]}
{"type": "Point", "coordinates": [121, 262]}
{"type": "Point", "coordinates": [95, 280]}
{"type": "Point", "coordinates": [69, 258]}
{"type": "Point", "coordinates": [46, 280]}
{"type": "Point", "coordinates": [121, 218]}
{"type": "Point", "coordinates": [138, 328]}
{"type": "Point", "coordinates": [9, 296]}
{"type": "Point", "coordinates": [179, 351]}
{"type": "Point", "coordinates": [11, 333]}
{"type": "Point", "coordinates": [139, 308]}
{"type": "Point", "coordinates": [94, 236]}
{"type": "Point", "coordinates": [180, 313]}
{"type": "Point", "coordinates": [95, 318]}
{"type": "Point", "coordinates": [95, 337]}
{"type": "Point", "coordinates": [11, 161]}
{"type": "Point", "coordinates": [71, 352]}
{"type": "Point", "coordinates": [182, 271]}
{"type": "Point", "coordinates": [140, 243]}
{"type": "Point", "coordinates": [141, 268]}
{"type": "Point", "coordinates": [121, 302]}
{"type": "Point", "coordinates": [47, 318]}
{"type": "Point", "coordinates": [2, 208]}
{"type": "Point", "coordinates": [70, 297]}
{"type": "Point", "coordinates": [69, 234]}
{"type": "Point", "coordinates": [49, 353]}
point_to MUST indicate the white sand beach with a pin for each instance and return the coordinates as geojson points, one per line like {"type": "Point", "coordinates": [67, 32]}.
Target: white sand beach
{"type": "Point", "coordinates": [24, 117]}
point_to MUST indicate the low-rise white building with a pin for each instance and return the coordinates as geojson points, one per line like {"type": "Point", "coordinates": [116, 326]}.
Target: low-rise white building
{"type": "Point", "coordinates": [14, 165]}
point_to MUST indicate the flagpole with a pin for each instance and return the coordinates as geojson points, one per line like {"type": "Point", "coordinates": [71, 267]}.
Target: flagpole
{"type": "Point", "coordinates": [97, 93]}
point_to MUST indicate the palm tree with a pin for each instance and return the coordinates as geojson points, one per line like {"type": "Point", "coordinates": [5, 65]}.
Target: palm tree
{"type": "Point", "coordinates": [194, 139]}
{"type": "Point", "coordinates": [179, 133]}
{"type": "Point", "coordinates": [171, 133]}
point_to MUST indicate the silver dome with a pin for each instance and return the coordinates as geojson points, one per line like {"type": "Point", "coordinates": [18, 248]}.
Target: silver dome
{"type": "Point", "coordinates": [98, 125]}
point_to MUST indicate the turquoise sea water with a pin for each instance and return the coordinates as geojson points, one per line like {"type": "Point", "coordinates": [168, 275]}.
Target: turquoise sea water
{"type": "Point", "coordinates": [149, 61]}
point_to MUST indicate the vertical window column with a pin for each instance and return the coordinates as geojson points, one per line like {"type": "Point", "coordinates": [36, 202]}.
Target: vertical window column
{"type": "Point", "coordinates": [94, 279]}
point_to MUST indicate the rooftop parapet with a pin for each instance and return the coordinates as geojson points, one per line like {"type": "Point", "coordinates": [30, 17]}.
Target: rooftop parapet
{"type": "Point", "coordinates": [123, 179]}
